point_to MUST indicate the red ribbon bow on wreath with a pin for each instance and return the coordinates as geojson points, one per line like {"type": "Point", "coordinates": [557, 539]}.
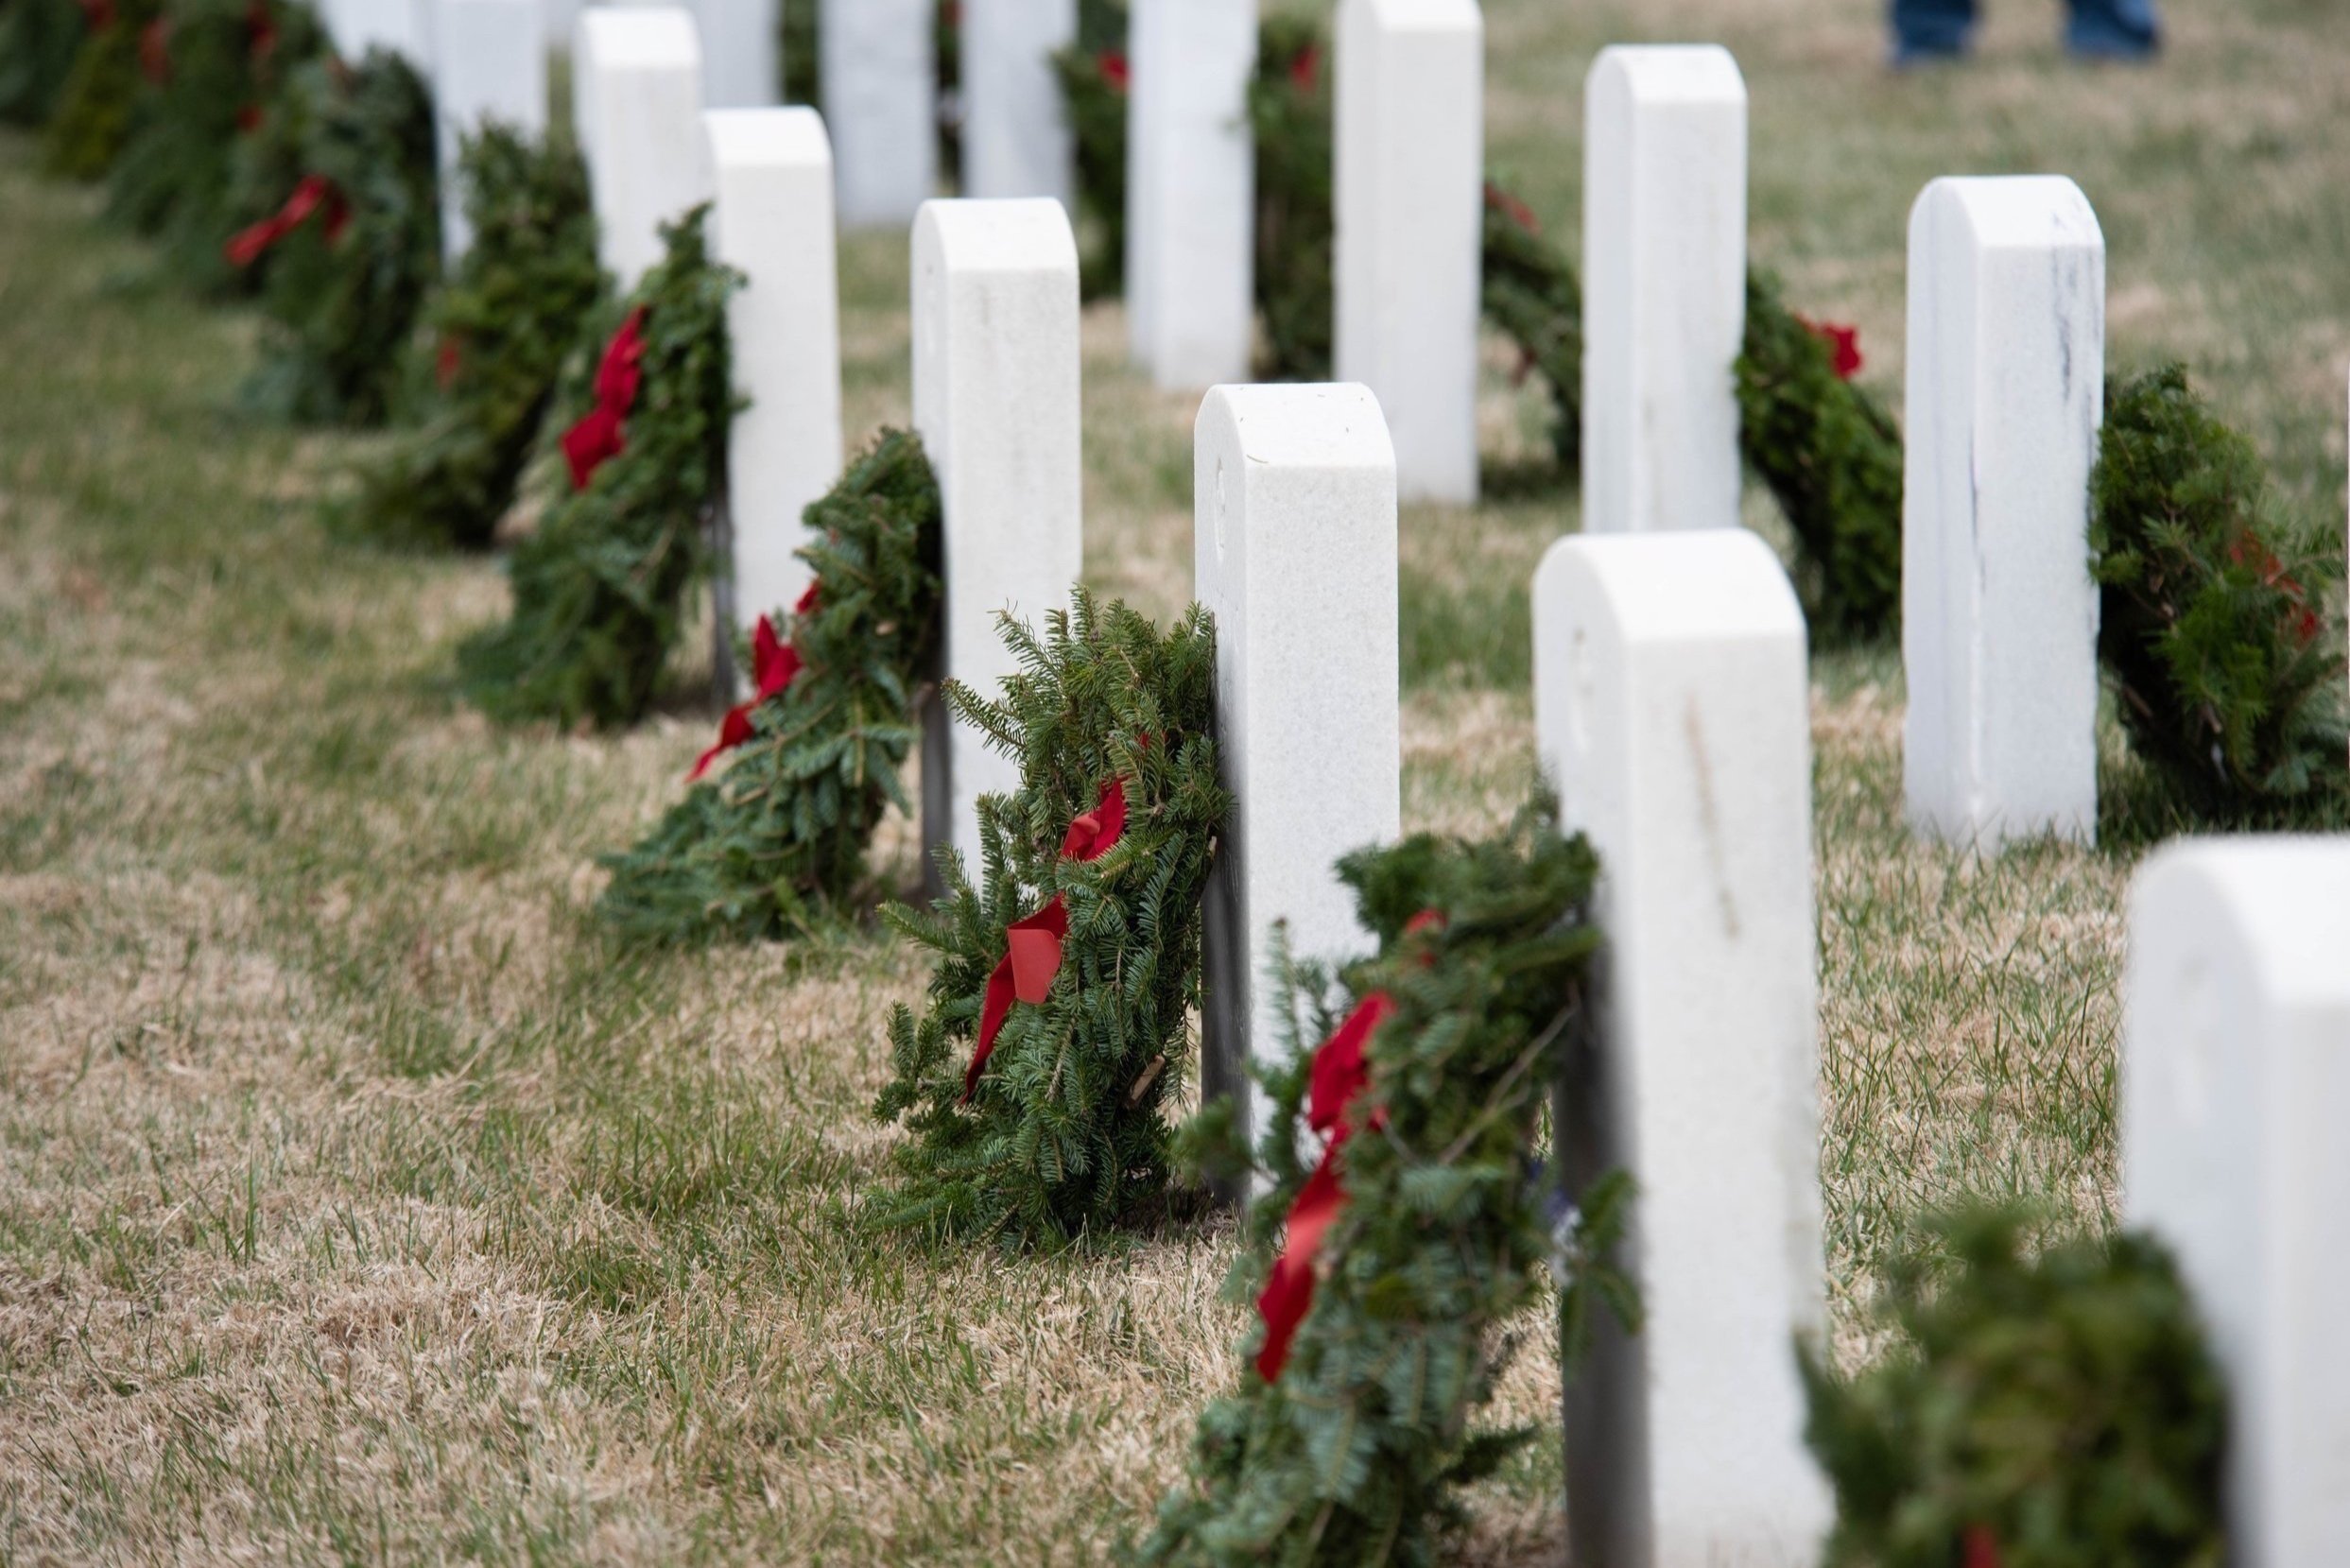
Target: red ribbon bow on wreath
{"type": "Point", "coordinates": [315, 191]}
{"type": "Point", "coordinates": [1306, 70]}
{"type": "Point", "coordinates": [774, 665]}
{"type": "Point", "coordinates": [1499, 201]}
{"type": "Point", "coordinates": [602, 433]}
{"type": "Point", "coordinates": [1033, 946]}
{"type": "Point", "coordinates": [1843, 345]}
{"type": "Point", "coordinates": [155, 51]}
{"type": "Point", "coordinates": [1340, 1074]}
{"type": "Point", "coordinates": [2248, 551]}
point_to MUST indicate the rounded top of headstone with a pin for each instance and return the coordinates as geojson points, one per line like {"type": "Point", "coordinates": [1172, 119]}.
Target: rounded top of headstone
{"type": "Point", "coordinates": [1669, 72]}
{"type": "Point", "coordinates": [1338, 424]}
{"type": "Point", "coordinates": [1414, 16]}
{"type": "Point", "coordinates": [2285, 899]}
{"type": "Point", "coordinates": [1023, 234]}
{"type": "Point", "coordinates": [2012, 211]}
{"type": "Point", "coordinates": [1713, 582]}
{"type": "Point", "coordinates": [639, 38]}
{"type": "Point", "coordinates": [792, 137]}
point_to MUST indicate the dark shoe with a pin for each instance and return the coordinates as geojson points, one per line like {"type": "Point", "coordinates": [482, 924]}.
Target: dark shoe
{"type": "Point", "coordinates": [1925, 57]}
{"type": "Point", "coordinates": [2125, 30]}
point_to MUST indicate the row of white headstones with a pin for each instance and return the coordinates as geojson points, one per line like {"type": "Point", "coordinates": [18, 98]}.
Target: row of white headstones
{"type": "Point", "coordinates": [1672, 692]}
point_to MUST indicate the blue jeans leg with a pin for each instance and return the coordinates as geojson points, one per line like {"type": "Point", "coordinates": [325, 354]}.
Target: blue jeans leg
{"type": "Point", "coordinates": [1925, 28]}
{"type": "Point", "coordinates": [2120, 29]}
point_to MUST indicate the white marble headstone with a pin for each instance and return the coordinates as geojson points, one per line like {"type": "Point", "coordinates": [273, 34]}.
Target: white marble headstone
{"type": "Point", "coordinates": [772, 222]}
{"type": "Point", "coordinates": [2235, 1095]}
{"type": "Point", "coordinates": [742, 44]}
{"type": "Point", "coordinates": [1673, 708]}
{"type": "Point", "coordinates": [492, 68]}
{"type": "Point", "coordinates": [1999, 613]}
{"type": "Point", "coordinates": [996, 402]}
{"type": "Point", "coordinates": [1664, 288]}
{"type": "Point", "coordinates": [1410, 179]}
{"type": "Point", "coordinates": [636, 100]}
{"type": "Point", "coordinates": [1191, 191]}
{"type": "Point", "coordinates": [880, 77]}
{"type": "Point", "coordinates": [1016, 139]}
{"type": "Point", "coordinates": [1294, 545]}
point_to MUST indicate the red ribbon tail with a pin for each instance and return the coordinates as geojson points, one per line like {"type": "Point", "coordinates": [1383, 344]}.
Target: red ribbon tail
{"type": "Point", "coordinates": [588, 443]}
{"type": "Point", "coordinates": [994, 1008]}
{"type": "Point", "coordinates": [1289, 1295]}
{"type": "Point", "coordinates": [734, 731]}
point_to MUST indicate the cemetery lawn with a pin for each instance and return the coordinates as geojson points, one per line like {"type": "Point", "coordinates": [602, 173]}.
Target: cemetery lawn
{"type": "Point", "coordinates": [359, 1198]}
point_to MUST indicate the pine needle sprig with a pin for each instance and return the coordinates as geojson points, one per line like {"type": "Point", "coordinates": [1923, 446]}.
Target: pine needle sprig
{"type": "Point", "coordinates": [2042, 1410]}
{"type": "Point", "coordinates": [782, 834]}
{"type": "Point", "coordinates": [2214, 624]}
{"type": "Point", "coordinates": [1357, 1450]}
{"type": "Point", "coordinates": [1065, 1132]}
{"type": "Point", "coordinates": [344, 290]}
{"type": "Point", "coordinates": [496, 338]}
{"type": "Point", "coordinates": [600, 589]}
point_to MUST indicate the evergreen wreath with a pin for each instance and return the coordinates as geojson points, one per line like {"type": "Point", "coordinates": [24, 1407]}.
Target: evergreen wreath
{"type": "Point", "coordinates": [600, 589]}
{"type": "Point", "coordinates": [2044, 1412]}
{"type": "Point", "coordinates": [1831, 453]}
{"type": "Point", "coordinates": [40, 41]}
{"type": "Point", "coordinates": [1095, 75]}
{"type": "Point", "coordinates": [1414, 1246]}
{"type": "Point", "coordinates": [213, 67]}
{"type": "Point", "coordinates": [90, 118]}
{"type": "Point", "coordinates": [1530, 293]}
{"type": "Point", "coordinates": [1036, 1081]}
{"type": "Point", "coordinates": [817, 756]}
{"type": "Point", "coordinates": [1289, 112]}
{"type": "Point", "coordinates": [804, 81]}
{"type": "Point", "coordinates": [356, 243]}
{"type": "Point", "coordinates": [497, 335]}
{"type": "Point", "coordinates": [2214, 628]}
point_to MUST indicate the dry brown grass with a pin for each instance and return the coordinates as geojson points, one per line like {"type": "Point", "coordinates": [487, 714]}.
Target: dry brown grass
{"type": "Point", "coordinates": [359, 1199]}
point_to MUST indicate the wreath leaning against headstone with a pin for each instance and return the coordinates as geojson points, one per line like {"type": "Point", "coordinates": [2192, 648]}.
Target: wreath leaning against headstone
{"type": "Point", "coordinates": [496, 337]}
{"type": "Point", "coordinates": [1057, 1031]}
{"type": "Point", "coordinates": [812, 760]}
{"type": "Point", "coordinates": [1392, 1269]}
{"type": "Point", "coordinates": [600, 589]}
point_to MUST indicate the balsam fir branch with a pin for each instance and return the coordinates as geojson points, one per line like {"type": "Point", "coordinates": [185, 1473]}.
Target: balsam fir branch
{"type": "Point", "coordinates": [497, 335]}
{"type": "Point", "coordinates": [1290, 111]}
{"type": "Point", "coordinates": [1094, 75]}
{"type": "Point", "coordinates": [90, 119]}
{"type": "Point", "coordinates": [1390, 1274]}
{"type": "Point", "coordinates": [2214, 625]}
{"type": "Point", "coordinates": [219, 63]}
{"type": "Point", "coordinates": [600, 589]}
{"type": "Point", "coordinates": [39, 41]}
{"type": "Point", "coordinates": [357, 244]}
{"type": "Point", "coordinates": [1036, 1081]}
{"type": "Point", "coordinates": [1530, 292]}
{"type": "Point", "coordinates": [784, 831]}
{"type": "Point", "coordinates": [2046, 1412]}
{"type": "Point", "coordinates": [1831, 455]}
